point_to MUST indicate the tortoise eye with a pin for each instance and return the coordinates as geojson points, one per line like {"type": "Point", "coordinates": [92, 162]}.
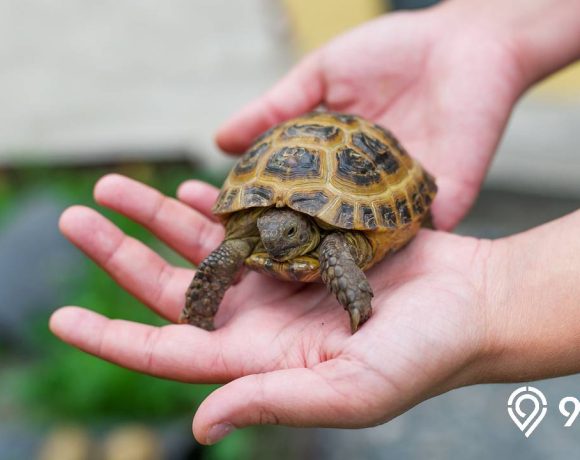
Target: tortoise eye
{"type": "Point", "coordinates": [291, 231]}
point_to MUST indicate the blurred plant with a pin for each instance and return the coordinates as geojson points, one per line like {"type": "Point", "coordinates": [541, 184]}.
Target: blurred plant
{"type": "Point", "coordinates": [57, 383]}
{"type": "Point", "coordinates": [61, 382]}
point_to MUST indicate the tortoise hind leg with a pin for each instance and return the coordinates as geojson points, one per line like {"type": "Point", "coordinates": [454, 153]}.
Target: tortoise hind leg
{"type": "Point", "coordinates": [344, 278]}
{"type": "Point", "coordinates": [212, 278]}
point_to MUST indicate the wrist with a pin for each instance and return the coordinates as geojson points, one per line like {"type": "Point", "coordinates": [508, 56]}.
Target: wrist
{"type": "Point", "coordinates": [542, 36]}
{"type": "Point", "coordinates": [489, 25]}
{"type": "Point", "coordinates": [546, 35]}
{"type": "Point", "coordinates": [532, 320]}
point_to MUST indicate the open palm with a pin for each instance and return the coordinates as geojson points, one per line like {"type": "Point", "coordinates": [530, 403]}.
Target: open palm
{"type": "Point", "coordinates": [285, 348]}
{"type": "Point", "coordinates": [444, 86]}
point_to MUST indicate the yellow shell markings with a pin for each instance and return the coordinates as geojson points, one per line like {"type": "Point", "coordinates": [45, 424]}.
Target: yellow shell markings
{"type": "Point", "coordinates": [387, 189]}
{"type": "Point", "coordinates": [344, 172]}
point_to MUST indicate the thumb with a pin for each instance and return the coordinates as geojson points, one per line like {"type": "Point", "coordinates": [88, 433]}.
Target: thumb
{"type": "Point", "coordinates": [298, 92]}
{"type": "Point", "coordinates": [295, 397]}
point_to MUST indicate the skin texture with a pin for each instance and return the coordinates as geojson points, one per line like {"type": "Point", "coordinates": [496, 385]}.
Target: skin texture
{"type": "Point", "coordinates": [448, 311]}
{"type": "Point", "coordinates": [213, 277]}
{"type": "Point", "coordinates": [287, 234]}
{"type": "Point", "coordinates": [219, 270]}
{"type": "Point", "coordinates": [343, 277]}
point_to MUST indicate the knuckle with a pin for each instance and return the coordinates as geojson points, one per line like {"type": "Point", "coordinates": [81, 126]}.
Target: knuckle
{"type": "Point", "coordinates": [266, 416]}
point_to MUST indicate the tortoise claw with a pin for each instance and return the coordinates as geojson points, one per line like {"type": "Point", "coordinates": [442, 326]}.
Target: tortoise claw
{"type": "Point", "coordinates": [358, 317]}
{"type": "Point", "coordinates": [354, 320]}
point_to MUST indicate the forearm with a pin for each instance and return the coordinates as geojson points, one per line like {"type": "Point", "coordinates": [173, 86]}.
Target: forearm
{"type": "Point", "coordinates": [544, 34]}
{"type": "Point", "coordinates": [533, 301]}
{"type": "Point", "coordinates": [547, 35]}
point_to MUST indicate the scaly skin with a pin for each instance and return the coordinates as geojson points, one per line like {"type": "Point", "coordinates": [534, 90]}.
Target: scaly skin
{"type": "Point", "coordinates": [213, 277]}
{"type": "Point", "coordinates": [287, 234]}
{"type": "Point", "coordinates": [343, 277]}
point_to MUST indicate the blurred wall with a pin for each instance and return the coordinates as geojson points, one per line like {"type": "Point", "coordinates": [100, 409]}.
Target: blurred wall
{"type": "Point", "coordinates": [82, 80]}
{"type": "Point", "coordinates": [540, 151]}
{"type": "Point", "coordinates": [315, 22]}
{"type": "Point", "coordinates": [94, 81]}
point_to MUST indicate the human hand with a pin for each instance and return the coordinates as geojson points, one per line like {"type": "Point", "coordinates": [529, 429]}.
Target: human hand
{"type": "Point", "coordinates": [284, 350]}
{"type": "Point", "coordinates": [442, 80]}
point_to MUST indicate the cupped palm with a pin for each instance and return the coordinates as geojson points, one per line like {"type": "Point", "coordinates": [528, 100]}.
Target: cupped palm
{"type": "Point", "coordinates": [285, 348]}
{"type": "Point", "coordinates": [443, 86]}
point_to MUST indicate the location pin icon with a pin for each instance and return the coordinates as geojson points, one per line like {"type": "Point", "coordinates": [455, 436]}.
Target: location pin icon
{"type": "Point", "coordinates": [527, 423]}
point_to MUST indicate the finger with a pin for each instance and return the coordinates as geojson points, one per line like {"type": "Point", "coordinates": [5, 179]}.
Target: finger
{"type": "Point", "coordinates": [176, 352]}
{"type": "Point", "coordinates": [138, 269]}
{"type": "Point", "coordinates": [300, 91]}
{"type": "Point", "coordinates": [199, 195]}
{"type": "Point", "coordinates": [454, 199]}
{"type": "Point", "coordinates": [184, 229]}
{"type": "Point", "coordinates": [321, 396]}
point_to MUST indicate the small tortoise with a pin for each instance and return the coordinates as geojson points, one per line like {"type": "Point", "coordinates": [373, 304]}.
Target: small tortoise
{"type": "Point", "coordinates": [325, 195]}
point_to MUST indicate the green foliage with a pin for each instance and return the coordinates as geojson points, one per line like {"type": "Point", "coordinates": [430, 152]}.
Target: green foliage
{"type": "Point", "coordinates": [239, 445]}
{"type": "Point", "coordinates": [63, 383]}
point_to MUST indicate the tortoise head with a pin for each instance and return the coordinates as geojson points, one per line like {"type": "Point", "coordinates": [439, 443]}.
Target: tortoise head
{"type": "Point", "coordinates": [287, 234]}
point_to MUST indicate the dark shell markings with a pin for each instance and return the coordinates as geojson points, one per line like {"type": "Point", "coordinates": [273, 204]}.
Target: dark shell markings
{"type": "Point", "coordinates": [257, 195]}
{"type": "Point", "coordinates": [354, 167]}
{"type": "Point", "coordinates": [379, 152]}
{"type": "Point", "coordinates": [294, 163]}
{"type": "Point", "coordinates": [314, 132]}
{"type": "Point", "coordinates": [308, 202]}
{"type": "Point", "coordinates": [247, 163]}
{"type": "Point", "coordinates": [341, 169]}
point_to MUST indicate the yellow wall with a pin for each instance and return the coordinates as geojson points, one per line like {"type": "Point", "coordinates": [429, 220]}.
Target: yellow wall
{"type": "Point", "coordinates": [316, 21]}
{"type": "Point", "coordinates": [561, 87]}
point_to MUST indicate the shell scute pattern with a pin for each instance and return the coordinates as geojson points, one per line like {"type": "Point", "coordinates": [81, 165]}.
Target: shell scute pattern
{"type": "Point", "coordinates": [342, 170]}
{"type": "Point", "coordinates": [367, 216]}
{"type": "Point", "coordinates": [356, 168]}
{"type": "Point", "coordinates": [291, 163]}
{"type": "Point", "coordinates": [312, 132]}
{"type": "Point", "coordinates": [247, 163]}
{"type": "Point", "coordinates": [308, 202]}
{"type": "Point", "coordinates": [257, 195]}
{"type": "Point", "coordinates": [345, 216]}
{"type": "Point", "coordinates": [379, 152]}
{"type": "Point", "coordinates": [403, 211]}
{"type": "Point", "coordinates": [387, 216]}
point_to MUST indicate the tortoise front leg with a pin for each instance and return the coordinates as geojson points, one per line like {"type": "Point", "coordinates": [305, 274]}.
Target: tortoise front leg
{"type": "Point", "coordinates": [212, 278]}
{"type": "Point", "coordinates": [344, 278]}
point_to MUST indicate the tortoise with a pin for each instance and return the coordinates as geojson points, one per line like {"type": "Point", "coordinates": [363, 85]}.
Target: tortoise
{"type": "Point", "coordinates": [323, 196]}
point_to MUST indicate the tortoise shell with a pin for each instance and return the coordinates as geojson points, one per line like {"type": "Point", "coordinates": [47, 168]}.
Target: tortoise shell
{"type": "Point", "coordinates": [345, 171]}
{"type": "Point", "coordinates": [342, 170]}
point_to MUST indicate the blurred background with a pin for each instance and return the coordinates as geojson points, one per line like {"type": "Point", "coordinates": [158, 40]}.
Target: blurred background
{"type": "Point", "coordinates": [139, 87]}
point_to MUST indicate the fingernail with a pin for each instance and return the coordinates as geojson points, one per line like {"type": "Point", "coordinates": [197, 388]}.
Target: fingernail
{"type": "Point", "coordinates": [218, 432]}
